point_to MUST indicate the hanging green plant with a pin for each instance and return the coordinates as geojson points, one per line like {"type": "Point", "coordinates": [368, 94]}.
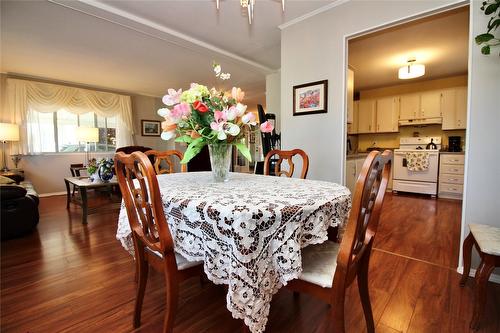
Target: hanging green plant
{"type": "Point", "coordinates": [488, 40]}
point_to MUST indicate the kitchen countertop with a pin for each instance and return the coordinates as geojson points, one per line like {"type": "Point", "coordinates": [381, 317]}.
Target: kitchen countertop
{"type": "Point", "coordinates": [356, 155]}
{"type": "Point", "coordinates": [360, 154]}
{"type": "Point", "coordinates": [452, 152]}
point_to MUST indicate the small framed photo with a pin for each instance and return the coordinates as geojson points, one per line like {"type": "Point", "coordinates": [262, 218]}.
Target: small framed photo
{"type": "Point", "coordinates": [150, 127]}
{"type": "Point", "coordinates": [310, 98]}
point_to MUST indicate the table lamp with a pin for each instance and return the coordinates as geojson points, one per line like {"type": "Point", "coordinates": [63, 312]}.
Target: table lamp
{"type": "Point", "coordinates": [8, 132]}
{"type": "Point", "coordinates": [87, 135]}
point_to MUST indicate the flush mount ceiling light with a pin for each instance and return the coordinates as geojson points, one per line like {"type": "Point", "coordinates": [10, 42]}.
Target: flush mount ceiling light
{"type": "Point", "coordinates": [249, 5]}
{"type": "Point", "coordinates": [411, 70]}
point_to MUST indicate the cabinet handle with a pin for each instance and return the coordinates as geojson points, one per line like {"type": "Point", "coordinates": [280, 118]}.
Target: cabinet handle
{"type": "Point", "coordinates": [378, 127]}
{"type": "Point", "coordinates": [369, 127]}
{"type": "Point", "coordinates": [452, 189]}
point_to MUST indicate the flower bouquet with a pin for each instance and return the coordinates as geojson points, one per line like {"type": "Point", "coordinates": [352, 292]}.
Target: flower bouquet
{"type": "Point", "coordinates": [200, 116]}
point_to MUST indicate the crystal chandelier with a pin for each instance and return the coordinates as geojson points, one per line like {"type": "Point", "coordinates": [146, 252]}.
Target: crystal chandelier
{"type": "Point", "coordinates": [249, 5]}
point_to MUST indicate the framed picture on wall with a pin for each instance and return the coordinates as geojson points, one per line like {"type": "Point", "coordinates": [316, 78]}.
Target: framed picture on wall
{"type": "Point", "coordinates": [150, 128]}
{"type": "Point", "coordinates": [310, 98]}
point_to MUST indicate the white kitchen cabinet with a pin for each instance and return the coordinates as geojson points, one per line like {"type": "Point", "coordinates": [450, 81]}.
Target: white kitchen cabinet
{"type": "Point", "coordinates": [451, 175]}
{"type": "Point", "coordinates": [454, 108]}
{"type": "Point", "coordinates": [352, 128]}
{"type": "Point", "coordinates": [350, 95]}
{"type": "Point", "coordinates": [387, 115]}
{"type": "Point", "coordinates": [461, 107]}
{"type": "Point", "coordinates": [367, 114]}
{"type": "Point", "coordinates": [409, 106]}
{"type": "Point", "coordinates": [353, 169]}
{"type": "Point", "coordinates": [350, 176]}
{"type": "Point", "coordinates": [430, 104]}
{"type": "Point", "coordinates": [420, 106]}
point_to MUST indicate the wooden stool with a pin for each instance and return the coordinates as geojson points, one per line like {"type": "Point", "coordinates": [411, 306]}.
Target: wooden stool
{"type": "Point", "coordinates": [486, 239]}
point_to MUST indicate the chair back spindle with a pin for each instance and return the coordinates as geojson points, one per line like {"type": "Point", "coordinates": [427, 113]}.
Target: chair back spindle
{"type": "Point", "coordinates": [166, 157]}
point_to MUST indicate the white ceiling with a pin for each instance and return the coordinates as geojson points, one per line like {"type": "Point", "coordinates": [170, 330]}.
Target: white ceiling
{"type": "Point", "coordinates": [439, 42]}
{"type": "Point", "coordinates": [145, 46]}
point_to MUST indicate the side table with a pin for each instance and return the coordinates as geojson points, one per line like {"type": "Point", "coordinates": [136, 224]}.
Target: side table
{"type": "Point", "coordinates": [16, 175]}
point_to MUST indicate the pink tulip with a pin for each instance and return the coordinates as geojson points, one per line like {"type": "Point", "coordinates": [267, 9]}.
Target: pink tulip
{"type": "Point", "coordinates": [220, 116]}
{"type": "Point", "coordinates": [173, 97]}
{"type": "Point", "coordinates": [180, 111]}
{"type": "Point", "coordinates": [248, 118]}
{"type": "Point", "coordinates": [266, 127]}
{"type": "Point", "coordinates": [237, 94]}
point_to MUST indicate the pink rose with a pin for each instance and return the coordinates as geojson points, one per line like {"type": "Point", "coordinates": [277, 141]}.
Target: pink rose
{"type": "Point", "coordinates": [266, 127]}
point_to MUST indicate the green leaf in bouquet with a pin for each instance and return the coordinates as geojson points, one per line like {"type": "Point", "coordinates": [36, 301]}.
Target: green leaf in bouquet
{"type": "Point", "coordinates": [193, 149]}
{"type": "Point", "coordinates": [244, 150]}
{"type": "Point", "coordinates": [185, 138]}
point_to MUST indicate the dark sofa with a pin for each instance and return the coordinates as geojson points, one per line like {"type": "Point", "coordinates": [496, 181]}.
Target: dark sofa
{"type": "Point", "coordinates": [19, 209]}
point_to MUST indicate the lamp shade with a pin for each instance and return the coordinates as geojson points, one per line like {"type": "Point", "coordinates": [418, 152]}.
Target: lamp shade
{"type": "Point", "coordinates": [87, 134]}
{"type": "Point", "coordinates": [9, 132]}
{"type": "Point", "coordinates": [411, 71]}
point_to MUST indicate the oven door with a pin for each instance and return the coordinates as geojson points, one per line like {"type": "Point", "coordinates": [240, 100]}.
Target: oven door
{"type": "Point", "coordinates": [401, 172]}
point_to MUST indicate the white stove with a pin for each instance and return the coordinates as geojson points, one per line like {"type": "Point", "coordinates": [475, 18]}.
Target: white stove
{"type": "Point", "coordinates": [423, 181]}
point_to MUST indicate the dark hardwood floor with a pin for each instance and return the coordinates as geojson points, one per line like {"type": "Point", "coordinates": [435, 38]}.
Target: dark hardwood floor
{"type": "Point", "coordinates": [69, 277]}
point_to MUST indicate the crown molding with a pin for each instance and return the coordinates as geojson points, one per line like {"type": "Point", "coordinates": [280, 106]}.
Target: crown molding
{"type": "Point", "coordinates": [315, 12]}
{"type": "Point", "coordinates": [139, 24]}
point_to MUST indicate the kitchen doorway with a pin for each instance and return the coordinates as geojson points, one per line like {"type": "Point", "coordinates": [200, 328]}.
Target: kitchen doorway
{"type": "Point", "coordinates": [406, 90]}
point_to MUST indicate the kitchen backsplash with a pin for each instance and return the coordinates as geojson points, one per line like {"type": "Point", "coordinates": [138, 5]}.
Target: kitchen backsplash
{"type": "Point", "coordinates": [391, 140]}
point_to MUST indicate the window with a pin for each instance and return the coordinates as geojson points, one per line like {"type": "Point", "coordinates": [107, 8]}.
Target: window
{"type": "Point", "coordinates": [55, 131]}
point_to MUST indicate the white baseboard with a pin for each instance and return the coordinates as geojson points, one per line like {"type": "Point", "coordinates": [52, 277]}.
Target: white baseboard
{"type": "Point", "coordinates": [52, 194]}
{"type": "Point", "coordinates": [493, 277]}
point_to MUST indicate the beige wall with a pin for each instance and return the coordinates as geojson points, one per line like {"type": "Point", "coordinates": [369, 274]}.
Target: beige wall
{"type": "Point", "coordinates": [273, 96]}
{"type": "Point", "coordinates": [47, 171]}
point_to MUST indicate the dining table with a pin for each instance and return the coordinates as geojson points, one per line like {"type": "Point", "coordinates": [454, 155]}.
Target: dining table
{"type": "Point", "coordinates": [248, 231]}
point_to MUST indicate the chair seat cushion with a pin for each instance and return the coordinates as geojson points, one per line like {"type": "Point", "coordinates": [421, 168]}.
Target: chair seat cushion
{"type": "Point", "coordinates": [487, 237]}
{"type": "Point", "coordinates": [319, 263]}
{"type": "Point", "coordinates": [182, 263]}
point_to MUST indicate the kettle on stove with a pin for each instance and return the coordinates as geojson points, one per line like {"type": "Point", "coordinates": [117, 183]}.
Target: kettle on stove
{"type": "Point", "coordinates": [431, 145]}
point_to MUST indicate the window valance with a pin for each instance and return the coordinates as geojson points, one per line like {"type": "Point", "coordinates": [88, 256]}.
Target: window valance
{"type": "Point", "coordinates": [24, 95]}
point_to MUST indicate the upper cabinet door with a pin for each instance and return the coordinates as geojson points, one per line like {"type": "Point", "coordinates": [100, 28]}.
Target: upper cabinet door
{"type": "Point", "coordinates": [387, 114]}
{"type": "Point", "coordinates": [410, 107]}
{"type": "Point", "coordinates": [430, 104]}
{"type": "Point", "coordinates": [350, 96]}
{"type": "Point", "coordinates": [448, 109]}
{"type": "Point", "coordinates": [454, 108]}
{"type": "Point", "coordinates": [461, 108]}
{"type": "Point", "coordinates": [353, 127]}
{"type": "Point", "coordinates": [366, 116]}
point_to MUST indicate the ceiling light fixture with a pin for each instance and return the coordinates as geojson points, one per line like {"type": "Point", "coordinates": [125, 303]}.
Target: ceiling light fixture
{"type": "Point", "coordinates": [411, 70]}
{"type": "Point", "coordinates": [249, 5]}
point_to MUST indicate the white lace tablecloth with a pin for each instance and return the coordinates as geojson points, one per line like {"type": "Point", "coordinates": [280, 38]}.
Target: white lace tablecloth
{"type": "Point", "coordinates": [248, 231]}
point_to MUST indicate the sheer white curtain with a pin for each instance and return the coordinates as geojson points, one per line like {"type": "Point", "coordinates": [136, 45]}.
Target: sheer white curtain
{"type": "Point", "coordinates": [24, 95]}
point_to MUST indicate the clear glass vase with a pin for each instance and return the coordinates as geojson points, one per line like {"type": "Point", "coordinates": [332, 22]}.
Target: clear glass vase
{"type": "Point", "coordinates": [220, 160]}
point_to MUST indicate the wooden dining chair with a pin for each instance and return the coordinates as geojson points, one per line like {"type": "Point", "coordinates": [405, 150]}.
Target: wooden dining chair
{"type": "Point", "coordinates": [328, 269]}
{"type": "Point", "coordinates": [285, 155]}
{"type": "Point", "coordinates": [153, 243]}
{"type": "Point", "coordinates": [166, 156]}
